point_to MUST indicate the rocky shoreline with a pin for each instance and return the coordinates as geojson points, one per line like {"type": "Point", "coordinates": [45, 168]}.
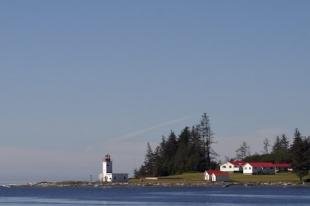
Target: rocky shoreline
{"type": "Point", "coordinates": [154, 184]}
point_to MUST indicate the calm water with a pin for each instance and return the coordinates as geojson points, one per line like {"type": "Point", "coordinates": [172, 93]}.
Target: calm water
{"type": "Point", "coordinates": [156, 196]}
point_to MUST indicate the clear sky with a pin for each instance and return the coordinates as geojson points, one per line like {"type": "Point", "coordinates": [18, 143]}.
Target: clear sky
{"type": "Point", "coordinates": [79, 79]}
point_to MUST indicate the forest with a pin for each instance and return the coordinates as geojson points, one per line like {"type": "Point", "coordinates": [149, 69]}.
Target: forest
{"type": "Point", "coordinates": [192, 150]}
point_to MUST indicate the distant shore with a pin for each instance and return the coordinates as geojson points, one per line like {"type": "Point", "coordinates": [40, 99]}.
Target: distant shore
{"type": "Point", "coordinates": [183, 180]}
{"type": "Point", "coordinates": [154, 184]}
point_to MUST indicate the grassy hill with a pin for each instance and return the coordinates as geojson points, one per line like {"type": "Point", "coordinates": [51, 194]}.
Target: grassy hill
{"type": "Point", "coordinates": [280, 177]}
{"type": "Point", "coordinates": [185, 178]}
{"type": "Point", "coordinates": [197, 178]}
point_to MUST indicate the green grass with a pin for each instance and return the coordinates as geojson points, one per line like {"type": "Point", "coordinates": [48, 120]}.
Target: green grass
{"type": "Point", "coordinates": [185, 178]}
{"type": "Point", "coordinates": [197, 178]}
{"type": "Point", "coordinates": [280, 177]}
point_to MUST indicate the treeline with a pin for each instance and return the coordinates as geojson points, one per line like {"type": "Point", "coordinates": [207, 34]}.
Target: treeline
{"type": "Point", "coordinates": [192, 150]}
{"type": "Point", "coordinates": [279, 152]}
{"type": "Point", "coordinates": [297, 153]}
{"type": "Point", "coordinates": [189, 151]}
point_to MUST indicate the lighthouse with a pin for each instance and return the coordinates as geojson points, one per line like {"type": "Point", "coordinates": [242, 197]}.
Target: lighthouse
{"type": "Point", "coordinates": [107, 174]}
{"type": "Point", "coordinates": [107, 169]}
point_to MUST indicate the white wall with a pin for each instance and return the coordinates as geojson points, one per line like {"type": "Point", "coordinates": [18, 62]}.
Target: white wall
{"type": "Point", "coordinates": [106, 167]}
{"type": "Point", "coordinates": [106, 171]}
{"type": "Point", "coordinates": [227, 167]}
{"type": "Point", "coordinates": [247, 169]}
{"type": "Point", "coordinates": [237, 169]}
{"type": "Point", "coordinates": [107, 178]}
{"type": "Point", "coordinates": [206, 176]}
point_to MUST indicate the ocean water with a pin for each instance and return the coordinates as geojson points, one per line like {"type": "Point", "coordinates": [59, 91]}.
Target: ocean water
{"type": "Point", "coordinates": [229, 196]}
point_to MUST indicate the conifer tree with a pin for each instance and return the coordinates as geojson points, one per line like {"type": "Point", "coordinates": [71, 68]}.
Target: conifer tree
{"type": "Point", "coordinates": [206, 134]}
{"type": "Point", "coordinates": [266, 145]}
{"type": "Point", "coordinates": [299, 151]}
{"type": "Point", "coordinates": [181, 158]}
{"type": "Point", "coordinates": [190, 151]}
{"type": "Point", "coordinates": [243, 151]}
{"type": "Point", "coordinates": [149, 162]}
{"type": "Point", "coordinates": [277, 145]}
{"type": "Point", "coordinates": [281, 149]}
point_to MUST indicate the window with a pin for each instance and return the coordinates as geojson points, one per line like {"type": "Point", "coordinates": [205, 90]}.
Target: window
{"type": "Point", "coordinates": [224, 166]}
{"type": "Point", "coordinates": [245, 168]}
{"type": "Point", "coordinates": [229, 166]}
{"type": "Point", "coordinates": [250, 168]}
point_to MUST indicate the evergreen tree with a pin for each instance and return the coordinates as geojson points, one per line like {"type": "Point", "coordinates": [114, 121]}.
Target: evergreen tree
{"type": "Point", "coordinates": [299, 151]}
{"type": "Point", "coordinates": [307, 153]}
{"type": "Point", "coordinates": [168, 152]}
{"type": "Point", "coordinates": [149, 162]}
{"type": "Point", "coordinates": [277, 145]}
{"type": "Point", "coordinates": [243, 151]}
{"type": "Point", "coordinates": [148, 166]}
{"type": "Point", "coordinates": [197, 154]}
{"type": "Point", "coordinates": [285, 144]}
{"type": "Point", "coordinates": [281, 149]}
{"type": "Point", "coordinates": [190, 151]}
{"type": "Point", "coordinates": [181, 158]}
{"type": "Point", "coordinates": [266, 145]}
{"type": "Point", "coordinates": [206, 134]}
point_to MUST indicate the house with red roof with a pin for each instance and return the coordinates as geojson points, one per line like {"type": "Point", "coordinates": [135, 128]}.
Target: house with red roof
{"type": "Point", "coordinates": [232, 166]}
{"type": "Point", "coordinates": [283, 167]}
{"type": "Point", "coordinates": [216, 176]}
{"type": "Point", "coordinates": [251, 168]}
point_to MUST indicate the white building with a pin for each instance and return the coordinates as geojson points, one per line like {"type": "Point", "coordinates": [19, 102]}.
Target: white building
{"type": "Point", "coordinates": [232, 166]}
{"type": "Point", "coordinates": [216, 176]}
{"type": "Point", "coordinates": [207, 175]}
{"type": "Point", "coordinates": [227, 167]}
{"type": "Point", "coordinates": [107, 174]}
{"type": "Point", "coordinates": [259, 168]}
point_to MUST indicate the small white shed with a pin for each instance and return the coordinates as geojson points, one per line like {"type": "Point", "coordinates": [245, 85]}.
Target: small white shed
{"type": "Point", "coordinates": [216, 176]}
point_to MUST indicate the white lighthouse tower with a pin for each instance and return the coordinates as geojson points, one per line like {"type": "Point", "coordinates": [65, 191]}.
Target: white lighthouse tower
{"type": "Point", "coordinates": [107, 174]}
{"type": "Point", "coordinates": [107, 169]}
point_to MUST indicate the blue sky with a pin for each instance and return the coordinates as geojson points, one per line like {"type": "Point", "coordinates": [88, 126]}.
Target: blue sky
{"type": "Point", "coordinates": [79, 79]}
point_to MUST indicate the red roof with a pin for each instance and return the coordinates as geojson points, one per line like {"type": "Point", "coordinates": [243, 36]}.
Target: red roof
{"type": "Point", "coordinates": [261, 164]}
{"type": "Point", "coordinates": [237, 163]}
{"type": "Point", "coordinates": [282, 165]}
{"type": "Point", "coordinates": [270, 164]}
{"type": "Point", "coordinates": [217, 173]}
